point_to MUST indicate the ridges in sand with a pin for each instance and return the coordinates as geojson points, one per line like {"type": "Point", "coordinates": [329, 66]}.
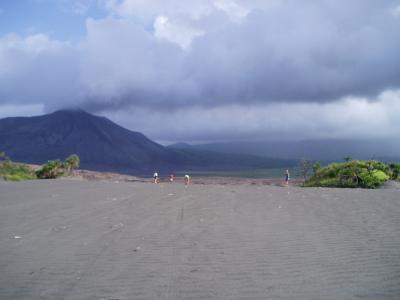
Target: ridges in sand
{"type": "Point", "coordinates": [199, 243]}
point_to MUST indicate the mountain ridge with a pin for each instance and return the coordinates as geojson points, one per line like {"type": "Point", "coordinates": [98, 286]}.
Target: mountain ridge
{"type": "Point", "coordinates": [104, 145]}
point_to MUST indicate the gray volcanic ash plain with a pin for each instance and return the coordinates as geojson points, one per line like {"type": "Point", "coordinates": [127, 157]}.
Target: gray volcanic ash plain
{"type": "Point", "coordinates": [78, 239]}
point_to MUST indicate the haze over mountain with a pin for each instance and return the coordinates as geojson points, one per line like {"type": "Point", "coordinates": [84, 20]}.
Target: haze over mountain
{"type": "Point", "coordinates": [104, 145]}
{"type": "Point", "coordinates": [322, 150]}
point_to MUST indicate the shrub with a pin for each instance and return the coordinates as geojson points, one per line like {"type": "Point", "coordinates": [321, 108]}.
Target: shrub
{"type": "Point", "coordinates": [71, 163]}
{"type": "Point", "coordinates": [316, 167]}
{"type": "Point", "coordinates": [365, 174]}
{"type": "Point", "coordinates": [52, 169]}
{"type": "Point", "coordinates": [56, 168]}
{"type": "Point", "coordinates": [373, 179]}
{"type": "Point", "coordinates": [394, 171]}
{"type": "Point", "coordinates": [329, 182]}
{"type": "Point", "coordinates": [15, 172]}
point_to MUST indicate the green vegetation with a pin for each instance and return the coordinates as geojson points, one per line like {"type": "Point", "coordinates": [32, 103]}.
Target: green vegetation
{"type": "Point", "coordinates": [56, 168]}
{"type": "Point", "coordinates": [395, 171]}
{"type": "Point", "coordinates": [351, 174]}
{"type": "Point", "coordinates": [72, 162]}
{"type": "Point", "coordinates": [52, 169]}
{"type": "Point", "coordinates": [13, 171]}
{"type": "Point", "coordinates": [316, 167]}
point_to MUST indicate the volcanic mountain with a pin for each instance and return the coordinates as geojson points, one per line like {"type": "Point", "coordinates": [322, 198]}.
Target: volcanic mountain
{"type": "Point", "coordinates": [106, 146]}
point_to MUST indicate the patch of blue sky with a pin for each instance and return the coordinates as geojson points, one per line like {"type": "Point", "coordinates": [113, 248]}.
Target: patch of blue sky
{"type": "Point", "coordinates": [60, 19]}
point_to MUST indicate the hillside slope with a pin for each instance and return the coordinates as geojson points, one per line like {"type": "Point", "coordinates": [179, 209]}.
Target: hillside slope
{"type": "Point", "coordinates": [104, 145]}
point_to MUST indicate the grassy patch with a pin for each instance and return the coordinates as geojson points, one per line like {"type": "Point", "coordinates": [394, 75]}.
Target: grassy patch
{"type": "Point", "coordinates": [15, 172]}
{"type": "Point", "coordinates": [12, 171]}
{"type": "Point", "coordinates": [352, 174]}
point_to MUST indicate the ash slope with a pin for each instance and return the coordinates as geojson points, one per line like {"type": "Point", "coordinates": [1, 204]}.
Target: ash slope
{"type": "Point", "coordinates": [105, 146]}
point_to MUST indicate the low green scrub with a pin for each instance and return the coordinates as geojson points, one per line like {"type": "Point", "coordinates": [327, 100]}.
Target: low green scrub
{"type": "Point", "coordinates": [394, 171]}
{"type": "Point", "coordinates": [15, 172]}
{"type": "Point", "coordinates": [352, 174]}
{"type": "Point", "coordinates": [52, 169]}
{"type": "Point", "coordinates": [12, 171]}
{"type": "Point", "coordinates": [57, 168]}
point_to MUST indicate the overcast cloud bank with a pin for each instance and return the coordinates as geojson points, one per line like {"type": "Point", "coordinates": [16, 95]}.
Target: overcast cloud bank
{"type": "Point", "coordinates": [211, 70]}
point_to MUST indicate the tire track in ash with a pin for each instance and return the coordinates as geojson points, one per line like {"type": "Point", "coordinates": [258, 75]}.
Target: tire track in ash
{"type": "Point", "coordinates": [114, 258]}
{"type": "Point", "coordinates": [95, 248]}
{"type": "Point", "coordinates": [134, 274]}
{"type": "Point", "coordinates": [197, 272]}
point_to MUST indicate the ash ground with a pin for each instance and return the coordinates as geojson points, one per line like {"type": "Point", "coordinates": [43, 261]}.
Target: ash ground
{"type": "Point", "coordinates": [78, 239]}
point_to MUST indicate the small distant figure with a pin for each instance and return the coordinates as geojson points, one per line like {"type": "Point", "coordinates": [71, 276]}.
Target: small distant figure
{"type": "Point", "coordinates": [155, 177]}
{"type": "Point", "coordinates": [287, 177]}
{"type": "Point", "coordinates": [171, 177]}
{"type": "Point", "coordinates": [187, 179]}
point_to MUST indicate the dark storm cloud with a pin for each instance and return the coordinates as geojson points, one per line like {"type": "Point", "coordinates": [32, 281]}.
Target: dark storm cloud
{"type": "Point", "coordinates": [299, 53]}
{"type": "Point", "coordinates": [38, 70]}
{"type": "Point", "coordinates": [353, 117]}
{"type": "Point", "coordinates": [291, 51]}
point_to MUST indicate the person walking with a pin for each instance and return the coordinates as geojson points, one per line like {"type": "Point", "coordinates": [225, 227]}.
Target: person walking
{"type": "Point", "coordinates": [155, 177]}
{"type": "Point", "coordinates": [287, 177]}
{"type": "Point", "coordinates": [187, 179]}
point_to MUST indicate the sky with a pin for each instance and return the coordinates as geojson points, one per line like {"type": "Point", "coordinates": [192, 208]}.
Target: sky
{"type": "Point", "coordinates": [208, 70]}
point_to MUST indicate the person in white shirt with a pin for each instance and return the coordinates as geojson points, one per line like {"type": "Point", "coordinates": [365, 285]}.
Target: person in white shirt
{"type": "Point", "coordinates": [187, 179]}
{"type": "Point", "coordinates": [155, 176]}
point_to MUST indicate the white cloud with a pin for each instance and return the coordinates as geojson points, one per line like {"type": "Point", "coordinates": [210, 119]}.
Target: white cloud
{"type": "Point", "coordinates": [235, 11]}
{"type": "Point", "coordinates": [35, 43]}
{"type": "Point", "coordinates": [194, 9]}
{"type": "Point", "coordinates": [176, 33]}
{"type": "Point", "coordinates": [396, 11]}
{"type": "Point", "coordinates": [150, 9]}
{"type": "Point", "coordinates": [124, 64]}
